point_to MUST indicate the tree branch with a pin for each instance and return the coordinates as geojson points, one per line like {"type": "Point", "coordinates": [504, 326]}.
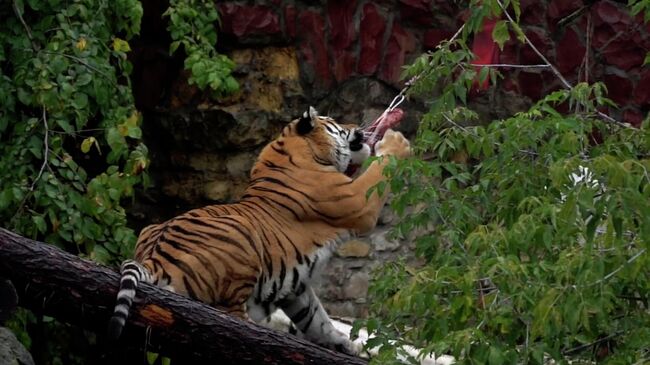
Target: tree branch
{"type": "Point", "coordinates": [80, 292]}
{"type": "Point", "coordinates": [497, 65]}
{"type": "Point", "coordinates": [609, 276]}
{"type": "Point", "coordinates": [555, 71]}
{"type": "Point", "coordinates": [46, 153]}
{"type": "Point", "coordinates": [22, 21]}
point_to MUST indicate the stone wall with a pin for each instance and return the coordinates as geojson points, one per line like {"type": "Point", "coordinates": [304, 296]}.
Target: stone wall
{"type": "Point", "coordinates": [345, 58]}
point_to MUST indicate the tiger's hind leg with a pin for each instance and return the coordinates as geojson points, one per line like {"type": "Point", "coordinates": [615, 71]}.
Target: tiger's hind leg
{"type": "Point", "coordinates": [279, 321]}
{"type": "Point", "coordinates": [309, 316]}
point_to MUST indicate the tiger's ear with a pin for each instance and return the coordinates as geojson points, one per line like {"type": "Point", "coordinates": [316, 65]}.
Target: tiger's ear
{"type": "Point", "coordinates": [306, 122]}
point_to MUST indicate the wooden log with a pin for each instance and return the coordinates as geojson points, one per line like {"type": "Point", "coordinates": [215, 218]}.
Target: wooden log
{"type": "Point", "coordinates": [81, 292]}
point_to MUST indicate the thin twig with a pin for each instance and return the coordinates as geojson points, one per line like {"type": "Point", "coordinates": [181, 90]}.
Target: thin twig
{"type": "Point", "coordinates": [412, 81]}
{"type": "Point", "coordinates": [571, 16]}
{"type": "Point", "coordinates": [408, 84]}
{"type": "Point", "coordinates": [621, 33]}
{"type": "Point", "coordinates": [453, 38]}
{"type": "Point", "coordinates": [546, 61]}
{"type": "Point", "coordinates": [80, 61]}
{"type": "Point", "coordinates": [46, 153]}
{"type": "Point", "coordinates": [555, 71]}
{"type": "Point", "coordinates": [510, 65]}
{"type": "Point", "coordinates": [488, 290]}
{"type": "Point", "coordinates": [528, 152]}
{"type": "Point", "coordinates": [588, 345]}
{"type": "Point", "coordinates": [450, 121]}
{"type": "Point", "coordinates": [588, 48]}
{"type": "Point", "coordinates": [608, 276]}
{"type": "Point", "coordinates": [22, 21]}
{"type": "Point", "coordinates": [526, 342]}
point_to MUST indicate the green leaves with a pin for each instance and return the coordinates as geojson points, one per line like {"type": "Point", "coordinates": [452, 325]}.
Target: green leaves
{"type": "Point", "coordinates": [500, 33]}
{"type": "Point", "coordinates": [638, 6]}
{"type": "Point", "coordinates": [533, 231]}
{"type": "Point", "coordinates": [64, 82]}
{"type": "Point", "coordinates": [120, 45]}
{"type": "Point", "coordinates": [192, 24]}
{"type": "Point", "coordinates": [553, 223]}
{"type": "Point", "coordinates": [80, 101]}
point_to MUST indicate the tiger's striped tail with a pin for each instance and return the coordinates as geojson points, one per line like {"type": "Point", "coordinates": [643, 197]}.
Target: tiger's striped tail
{"type": "Point", "coordinates": [132, 274]}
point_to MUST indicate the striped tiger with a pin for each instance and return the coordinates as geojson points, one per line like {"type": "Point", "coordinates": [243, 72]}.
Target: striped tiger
{"type": "Point", "coordinates": [263, 252]}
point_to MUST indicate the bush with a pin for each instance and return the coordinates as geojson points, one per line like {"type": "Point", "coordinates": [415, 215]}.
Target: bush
{"type": "Point", "coordinates": [535, 229]}
{"type": "Point", "coordinates": [70, 134]}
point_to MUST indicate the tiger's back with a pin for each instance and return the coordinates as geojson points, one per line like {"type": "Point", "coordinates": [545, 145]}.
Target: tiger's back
{"type": "Point", "coordinates": [181, 254]}
{"type": "Point", "coordinates": [262, 252]}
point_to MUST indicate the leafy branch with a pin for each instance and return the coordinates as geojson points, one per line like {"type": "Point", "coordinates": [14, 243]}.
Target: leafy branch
{"type": "Point", "coordinates": [46, 150]}
{"type": "Point", "coordinates": [192, 25]}
{"type": "Point", "coordinates": [564, 257]}
{"type": "Point", "coordinates": [19, 15]}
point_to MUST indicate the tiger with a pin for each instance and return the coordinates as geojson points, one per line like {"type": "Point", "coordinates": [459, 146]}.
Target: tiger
{"type": "Point", "coordinates": [264, 252]}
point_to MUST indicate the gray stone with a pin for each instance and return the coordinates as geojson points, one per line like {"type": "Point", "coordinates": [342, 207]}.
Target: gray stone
{"type": "Point", "coordinates": [253, 129]}
{"type": "Point", "coordinates": [353, 248]}
{"type": "Point", "coordinates": [369, 115]}
{"type": "Point", "coordinates": [217, 190]}
{"type": "Point", "coordinates": [381, 242]}
{"type": "Point", "coordinates": [12, 352]}
{"type": "Point", "coordinates": [205, 162]}
{"type": "Point", "coordinates": [387, 216]}
{"type": "Point", "coordinates": [357, 287]}
{"type": "Point", "coordinates": [342, 309]}
{"type": "Point", "coordinates": [240, 165]}
{"type": "Point", "coordinates": [358, 263]}
{"type": "Point", "coordinates": [329, 292]}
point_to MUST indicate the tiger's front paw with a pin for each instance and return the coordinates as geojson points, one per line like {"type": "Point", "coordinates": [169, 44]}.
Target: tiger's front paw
{"type": "Point", "coordinates": [393, 144]}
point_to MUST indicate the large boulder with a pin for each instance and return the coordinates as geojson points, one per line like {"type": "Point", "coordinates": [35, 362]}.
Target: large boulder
{"type": "Point", "coordinates": [12, 352]}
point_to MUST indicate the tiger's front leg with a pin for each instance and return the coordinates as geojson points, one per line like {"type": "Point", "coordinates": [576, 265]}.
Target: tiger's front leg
{"type": "Point", "coordinates": [350, 195]}
{"type": "Point", "coordinates": [309, 316]}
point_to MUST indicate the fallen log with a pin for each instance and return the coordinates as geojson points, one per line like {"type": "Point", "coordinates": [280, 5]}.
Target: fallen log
{"type": "Point", "coordinates": [81, 292]}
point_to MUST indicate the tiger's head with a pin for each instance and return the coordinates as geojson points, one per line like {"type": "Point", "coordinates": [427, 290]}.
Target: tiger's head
{"type": "Point", "coordinates": [329, 142]}
{"type": "Point", "coordinates": [319, 142]}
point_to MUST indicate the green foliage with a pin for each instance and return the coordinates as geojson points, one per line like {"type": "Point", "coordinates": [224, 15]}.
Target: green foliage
{"type": "Point", "coordinates": [65, 89]}
{"type": "Point", "coordinates": [70, 137]}
{"type": "Point", "coordinates": [192, 24]}
{"type": "Point", "coordinates": [500, 33]}
{"type": "Point", "coordinates": [640, 6]}
{"type": "Point", "coordinates": [535, 229]}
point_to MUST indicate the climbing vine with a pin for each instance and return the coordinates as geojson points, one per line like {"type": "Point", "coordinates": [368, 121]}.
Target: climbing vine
{"type": "Point", "coordinates": [71, 151]}
{"type": "Point", "coordinates": [70, 134]}
{"type": "Point", "coordinates": [71, 140]}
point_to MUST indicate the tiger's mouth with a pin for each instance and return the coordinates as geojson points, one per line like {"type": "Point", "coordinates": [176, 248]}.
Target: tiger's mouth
{"type": "Point", "coordinates": [372, 134]}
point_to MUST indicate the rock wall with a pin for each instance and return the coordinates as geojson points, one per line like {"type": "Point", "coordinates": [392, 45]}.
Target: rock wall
{"type": "Point", "coordinates": [345, 58]}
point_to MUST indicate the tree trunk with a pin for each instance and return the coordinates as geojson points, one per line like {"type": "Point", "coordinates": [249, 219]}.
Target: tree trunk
{"type": "Point", "coordinates": [80, 292]}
